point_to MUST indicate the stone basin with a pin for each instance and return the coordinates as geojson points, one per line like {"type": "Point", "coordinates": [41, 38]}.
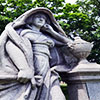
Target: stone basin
{"type": "Point", "coordinates": [80, 48]}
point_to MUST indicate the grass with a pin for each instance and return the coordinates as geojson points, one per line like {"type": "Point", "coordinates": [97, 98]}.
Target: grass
{"type": "Point", "coordinates": [64, 89]}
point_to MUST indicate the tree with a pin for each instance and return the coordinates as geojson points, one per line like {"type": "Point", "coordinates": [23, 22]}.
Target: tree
{"type": "Point", "coordinates": [11, 9]}
{"type": "Point", "coordinates": [92, 31]}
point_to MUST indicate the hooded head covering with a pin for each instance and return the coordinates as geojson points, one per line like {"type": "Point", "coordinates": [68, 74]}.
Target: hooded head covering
{"type": "Point", "coordinates": [24, 18]}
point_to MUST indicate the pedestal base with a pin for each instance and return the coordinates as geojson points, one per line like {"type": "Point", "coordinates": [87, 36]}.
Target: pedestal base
{"type": "Point", "coordinates": [84, 82]}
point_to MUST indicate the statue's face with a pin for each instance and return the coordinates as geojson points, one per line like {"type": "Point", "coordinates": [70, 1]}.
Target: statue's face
{"type": "Point", "coordinates": [39, 20]}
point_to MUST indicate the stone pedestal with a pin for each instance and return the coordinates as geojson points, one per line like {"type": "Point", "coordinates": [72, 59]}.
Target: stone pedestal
{"type": "Point", "coordinates": [84, 82]}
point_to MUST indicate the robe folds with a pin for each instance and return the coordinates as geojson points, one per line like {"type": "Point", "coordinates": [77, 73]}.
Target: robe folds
{"type": "Point", "coordinates": [11, 88]}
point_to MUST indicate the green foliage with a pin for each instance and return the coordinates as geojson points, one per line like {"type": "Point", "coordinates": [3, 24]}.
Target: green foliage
{"type": "Point", "coordinates": [53, 5]}
{"type": "Point", "coordinates": [91, 32]}
{"type": "Point", "coordinates": [64, 89]}
{"type": "Point", "coordinates": [82, 18]}
{"type": "Point", "coordinates": [74, 19]}
{"type": "Point", "coordinates": [11, 9]}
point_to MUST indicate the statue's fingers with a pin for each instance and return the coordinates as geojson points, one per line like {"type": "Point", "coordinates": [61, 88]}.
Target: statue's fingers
{"type": "Point", "coordinates": [33, 82]}
{"type": "Point", "coordinates": [46, 26]}
{"type": "Point", "coordinates": [33, 86]}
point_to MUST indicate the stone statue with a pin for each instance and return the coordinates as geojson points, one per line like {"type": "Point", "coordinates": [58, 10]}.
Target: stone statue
{"type": "Point", "coordinates": [33, 49]}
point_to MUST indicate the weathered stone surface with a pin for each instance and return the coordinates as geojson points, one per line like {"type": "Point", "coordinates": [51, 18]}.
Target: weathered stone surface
{"type": "Point", "coordinates": [77, 92]}
{"type": "Point", "coordinates": [93, 89]}
{"type": "Point", "coordinates": [30, 53]}
{"type": "Point", "coordinates": [84, 82]}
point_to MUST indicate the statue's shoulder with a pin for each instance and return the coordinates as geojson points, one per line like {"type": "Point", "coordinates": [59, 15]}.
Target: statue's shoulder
{"type": "Point", "coordinates": [26, 31]}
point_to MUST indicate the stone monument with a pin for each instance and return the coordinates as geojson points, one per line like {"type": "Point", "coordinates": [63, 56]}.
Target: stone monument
{"type": "Point", "coordinates": [31, 55]}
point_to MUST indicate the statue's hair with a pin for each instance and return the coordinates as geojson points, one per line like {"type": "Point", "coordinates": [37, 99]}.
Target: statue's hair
{"type": "Point", "coordinates": [31, 18]}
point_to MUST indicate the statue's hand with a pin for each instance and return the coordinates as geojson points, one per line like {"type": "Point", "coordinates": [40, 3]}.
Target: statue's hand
{"type": "Point", "coordinates": [70, 44]}
{"type": "Point", "coordinates": [48, 28]}
{"type": "Point", "coordinates": [33, 82]}
{"type": "Point", "coordinates": [25, 75]}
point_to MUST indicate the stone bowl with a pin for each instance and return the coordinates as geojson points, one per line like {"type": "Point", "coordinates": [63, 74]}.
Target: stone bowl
{"type": "Point", "coordinates": [80, 48]}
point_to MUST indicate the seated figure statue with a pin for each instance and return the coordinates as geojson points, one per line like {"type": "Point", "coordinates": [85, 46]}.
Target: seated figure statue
{"type": "Point", "coordinates": [33, 49]}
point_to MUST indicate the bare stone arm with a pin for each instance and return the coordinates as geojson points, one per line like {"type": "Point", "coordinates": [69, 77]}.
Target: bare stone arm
{"type": "Point", "coordinates": [56, 35]}
{"type": "Point", "coordinates": [18, 58]}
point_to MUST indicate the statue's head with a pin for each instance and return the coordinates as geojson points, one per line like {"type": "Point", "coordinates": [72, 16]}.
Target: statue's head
{"type": "Point", "coordinates": [32, 16]}
{"type": "Point", "coordinates": [39, 19]}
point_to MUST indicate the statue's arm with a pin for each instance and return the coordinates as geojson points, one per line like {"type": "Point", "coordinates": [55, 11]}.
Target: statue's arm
{"type": "Point", "coordinates": [60, 37]}
{"type": "Point", "coordinates": [18, 58]}
{"type": "Point", "coordinates": [56, 35]}
{"type": "Point", "coordinates": [16, 55]}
